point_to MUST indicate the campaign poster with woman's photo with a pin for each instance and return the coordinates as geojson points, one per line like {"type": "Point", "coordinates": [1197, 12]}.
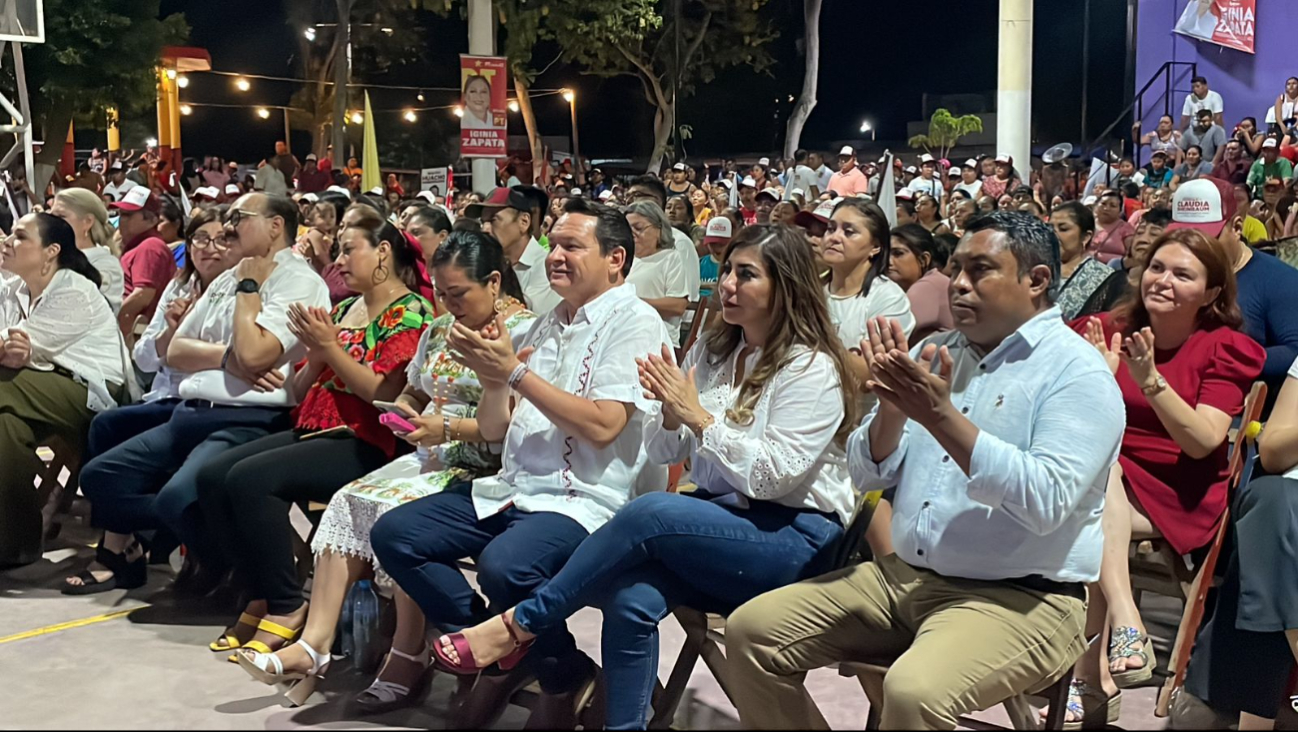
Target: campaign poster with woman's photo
{"type": "Point", "coordinates": [484, 83]}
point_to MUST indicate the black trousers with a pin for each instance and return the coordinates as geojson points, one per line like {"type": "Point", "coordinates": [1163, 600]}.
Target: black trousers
{"type": "Point", "coordinates": [246, 494]}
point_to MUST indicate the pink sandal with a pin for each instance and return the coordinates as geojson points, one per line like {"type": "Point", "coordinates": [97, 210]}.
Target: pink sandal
{"type": "Point", "coordinates": [467, 666]}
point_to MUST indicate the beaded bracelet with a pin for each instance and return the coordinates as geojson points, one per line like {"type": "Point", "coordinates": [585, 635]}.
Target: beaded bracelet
{"type": "Point", "coordinates": [446, 428]}
{"type": "Point", "coordinates": [517, 376]}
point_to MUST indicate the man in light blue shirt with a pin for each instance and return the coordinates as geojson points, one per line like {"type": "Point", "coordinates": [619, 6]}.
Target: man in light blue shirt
{"type": "Point", "coordinates": [999, 438]}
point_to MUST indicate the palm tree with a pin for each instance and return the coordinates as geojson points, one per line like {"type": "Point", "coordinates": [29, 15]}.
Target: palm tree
{"type": "Point", "coordinates": [944, 130]}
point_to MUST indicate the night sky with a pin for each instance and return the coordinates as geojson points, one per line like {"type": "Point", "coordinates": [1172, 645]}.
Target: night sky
{"type": "Point", "coordinates": [878, 59]}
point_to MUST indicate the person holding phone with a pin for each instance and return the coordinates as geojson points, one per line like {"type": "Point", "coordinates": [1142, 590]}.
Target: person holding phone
{"type": "Point", "coordinates": [439, 405]}
{"type": "Point", "coordinates": [355, 355]}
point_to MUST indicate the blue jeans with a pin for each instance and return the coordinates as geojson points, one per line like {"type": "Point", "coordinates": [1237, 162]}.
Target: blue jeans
{"type": "Point", "coordinates": [115, 426]}
{"type": "Point", "coordinates": [148, 481]}
{"type": "Point", "coordinates": [664, 550]}
{"type": "Point", "coordinates": [418, 544]}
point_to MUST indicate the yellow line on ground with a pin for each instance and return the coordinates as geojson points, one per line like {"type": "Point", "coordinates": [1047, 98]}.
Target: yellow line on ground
{"type": "Point", "coordinates": [68, 625]}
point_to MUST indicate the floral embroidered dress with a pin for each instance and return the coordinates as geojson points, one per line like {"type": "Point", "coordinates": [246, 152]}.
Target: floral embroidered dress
{"type": "Point", "coordinates": [389, 342]}
{"type": "Point", "coordinates": [452, 390]}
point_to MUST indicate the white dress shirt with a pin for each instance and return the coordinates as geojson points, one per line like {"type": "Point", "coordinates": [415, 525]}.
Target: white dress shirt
{"type": "Point", "coordinates": [593, 357]}
{"type": "Point", "coordinates": [689, 262]}
{"type": "Point", "coordinates": [110, 271]}
{"type": "Point", "coordinates": [786, 454]}
{"type": "Point", "coordinates": [535, 281]}
{"type": "Point", "coordinates": [70, 326]}
{"type": "Point", "coordinates": [212, 320]}
{"type": "Point", "coordinates": [1050, 420]}
{"type": "Point", "coordinates": [166, 382]}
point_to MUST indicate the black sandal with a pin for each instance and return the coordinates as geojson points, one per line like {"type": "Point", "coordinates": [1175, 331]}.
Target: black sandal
{"type": "Point", "coordinates": [126, 575]}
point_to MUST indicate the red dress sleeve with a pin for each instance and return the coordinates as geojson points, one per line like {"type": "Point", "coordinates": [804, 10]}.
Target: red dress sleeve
{"type": "Point", "coordinates": [396, 351]}
{"type": "Point", "coordinates": [1236, 363]}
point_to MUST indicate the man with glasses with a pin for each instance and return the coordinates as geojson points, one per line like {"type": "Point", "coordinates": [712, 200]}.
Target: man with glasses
{"type": "Point", "coordinates": [236, 351]}
{"type": "Point", "coordinates": [507, 215]}
{"type": "Point", "coordinates": [649, 188]}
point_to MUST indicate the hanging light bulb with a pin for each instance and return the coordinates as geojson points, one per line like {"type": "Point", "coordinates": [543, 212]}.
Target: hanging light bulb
{"type": "Point", "coordinates": [263, 113]}
{"type": "Point", "coordinates": [182, 81]}
{"type": "Point", "coordinates": [459, 111]}
{"type": "Point", "coordinates": [242, 84]}
{"type": "Point", "coordinates": [171, 74]}
{"type": "Point", "coordinates": [357, 118]}
{"type": "Point", "coordinates": [420, 96]}
{"type": "Point", "coordinates": [513, 106]}
{"type": "Point", "coordinates": [568, 96]}
{"type": "Point", "coordinates": [186, 110]}
{"type": "Point", "coordinates": [410, 115]}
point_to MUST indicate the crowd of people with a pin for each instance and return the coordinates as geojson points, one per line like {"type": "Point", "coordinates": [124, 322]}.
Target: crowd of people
{"type": "Point", "coordinates": [1033, 374]}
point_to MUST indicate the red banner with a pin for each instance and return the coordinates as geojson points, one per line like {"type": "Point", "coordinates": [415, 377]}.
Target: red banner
{"type": "Point", "coordinates": [1228, 23]}
{"type": "Point", "coordinates": [484, 82]}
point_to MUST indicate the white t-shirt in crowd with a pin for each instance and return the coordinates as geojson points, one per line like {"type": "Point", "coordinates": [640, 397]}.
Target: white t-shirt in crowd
{"type": "Point", "coordinates": [1287, 108]}
{"type": "Point", "coordinates": [823, 174]}
{"type": "Point", "coordinates": [657, 276]}
{"type": "Point", "coordinates": [689, 261]}
{"type": "Point", "coordinates": [110, 269]}
{"type": "Point", "coordinates": [1193, 104]}
{"type": "Point", "coordinates": [118, 191]}
{"type": "Point", "coordinates": [803, 178]}
{"type": "Point", "coordinates": [974, 189]}
{"type": "Point", "coordinates": [932, 187]}
{"type": "Point", "coordinates": [850, 313]}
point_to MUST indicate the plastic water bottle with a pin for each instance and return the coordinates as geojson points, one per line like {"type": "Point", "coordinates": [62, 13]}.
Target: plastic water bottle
{"type": "Point", "coordinates": [367, 646]}
{"type": "Point", "coordinates": [346, 644]}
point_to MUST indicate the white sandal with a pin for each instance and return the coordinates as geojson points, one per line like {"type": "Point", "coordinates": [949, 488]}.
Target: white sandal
{"type": "Point", "coordinates": [268, 669]}
{"type": "Point", "coordinates": [383, 696]}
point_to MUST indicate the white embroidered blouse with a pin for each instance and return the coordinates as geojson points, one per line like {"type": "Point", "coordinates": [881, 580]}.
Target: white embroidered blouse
{"type": "Point", "coordinates": [786, 455]}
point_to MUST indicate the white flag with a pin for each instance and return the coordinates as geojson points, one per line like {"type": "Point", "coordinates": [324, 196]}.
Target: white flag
{"type": "Point", "coordinates": [887, 198]}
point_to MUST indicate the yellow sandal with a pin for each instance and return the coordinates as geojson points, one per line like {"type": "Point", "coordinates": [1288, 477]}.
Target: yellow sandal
{"type": "Point", "coordinates": [288, 634]}
{"type": "Point", "coordinates": [228, 640]}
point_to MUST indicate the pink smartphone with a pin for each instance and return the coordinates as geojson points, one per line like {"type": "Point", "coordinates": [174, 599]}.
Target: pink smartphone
{"type": "Point", "coordinates": [396, 423]}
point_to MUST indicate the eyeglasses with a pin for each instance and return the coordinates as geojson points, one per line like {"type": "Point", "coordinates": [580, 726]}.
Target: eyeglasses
{"type": "Point", "coordinates": [237, 215]}
{"type": "Point", "coordinates": [203, 241]}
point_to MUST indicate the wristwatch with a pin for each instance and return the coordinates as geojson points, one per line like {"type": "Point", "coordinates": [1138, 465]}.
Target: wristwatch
{"type": "Point", "coordinates": [1156, 388]}
{"type": "Point", "coordinates": [249, 286]}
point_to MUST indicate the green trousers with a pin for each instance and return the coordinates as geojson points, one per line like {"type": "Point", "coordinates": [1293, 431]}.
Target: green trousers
{"type": "Point", "coordinates": [34, 406]}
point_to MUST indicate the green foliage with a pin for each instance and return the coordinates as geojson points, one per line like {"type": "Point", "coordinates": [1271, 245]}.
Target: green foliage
{"type": "Point", "coordinates": [945, 130]}
{"type": "Point", "coordinates": [96, 54]}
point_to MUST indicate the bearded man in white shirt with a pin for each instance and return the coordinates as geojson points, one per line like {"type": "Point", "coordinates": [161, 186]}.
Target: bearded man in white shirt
{"type": "Point", "coordinates": [571, 413]}
{"type": "Point", "coordinates": [999, 438]}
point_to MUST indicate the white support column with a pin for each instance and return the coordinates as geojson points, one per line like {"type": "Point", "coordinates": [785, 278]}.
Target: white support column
{"type": "Point", "coordinates": [482, 43]}
{"type": "Point", "coordinates": [1014, 83]}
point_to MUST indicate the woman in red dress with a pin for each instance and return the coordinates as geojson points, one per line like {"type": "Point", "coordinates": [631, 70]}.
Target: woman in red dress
{"type": "Point", "coordinates": [1184, 370]}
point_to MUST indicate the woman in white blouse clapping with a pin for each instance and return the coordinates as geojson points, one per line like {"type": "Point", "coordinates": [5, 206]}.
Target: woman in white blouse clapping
{"type": "Point", "coordinates": [762, 405]}
{"type": "Point", "coordinates": [62, 360]}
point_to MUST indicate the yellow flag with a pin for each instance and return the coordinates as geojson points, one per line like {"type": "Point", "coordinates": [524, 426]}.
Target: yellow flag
{"type": "Point", "coordinates": [371, 176]}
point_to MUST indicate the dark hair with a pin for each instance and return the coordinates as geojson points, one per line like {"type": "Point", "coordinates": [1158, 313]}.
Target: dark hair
{"type": "Point", "coordinates": [611, 229]}
{"type": "Point", "coordinates": [283, 207]}
{"type": "Point", "coordinates": [539, 200]}
{"type": "Point", "coordinates": [654, 185]}
{"type": "Point", "coordinates": [907, 205]}
{"type": "Point", "coordinates": [877, 224]}
{"type": "Point", "coordinates": [1029, 239]}
{"type": "Point", "coordinates": [338, 201]}
{"type": "Point", "coordinates": [800, 155]}
{"type": "Point", "coordinates": [171, 211]}
{"type": "Point", "coordinates": [919, 241]}
{"type": "Point", "coordinates": [1081, 215]}
{"type": "Point", "coordinates": [478, 255]}
{"type": "Point", "coordinates": [54, 230]}
{"type": "Point", "coordinates": [1203, 112]}
{"type": "Point", "coordinates": [405, 258]}
{"type": "Point", "coordinates": [1157, 217]}
{"type": "Point", "coordinates": [464, 223]}
{"type": "Point", "coordinates": [946, 243]}
{"type": "Point", "coordinates": [200, 217]}
{"type": "Point", "coordinates": [434, 217]}
{"type": "Point", "coordinates": [1130, 314]}
{"type": "Point", "coordinates": [1195, 147]}
{"type": "Point", "coordinates": [1252, 120]}
{"type": "Point", "coordinates": [1198, 80]}
{"type": "Point", "coordinates": [379, 205]}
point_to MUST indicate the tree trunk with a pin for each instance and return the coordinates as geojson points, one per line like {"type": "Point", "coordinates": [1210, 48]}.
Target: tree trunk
{"type": "Point", "coordinates": [807, 100]}
{"type": "Point", "coordinates": [664, 119]}
{"type": "Point", "coordinates": [529, 121]}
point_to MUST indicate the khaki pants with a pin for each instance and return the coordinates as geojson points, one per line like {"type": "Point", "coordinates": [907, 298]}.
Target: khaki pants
{"type": "Point", "coordinates": [961, 645]}
{"type": "Point", "coordinates": [34, 405]}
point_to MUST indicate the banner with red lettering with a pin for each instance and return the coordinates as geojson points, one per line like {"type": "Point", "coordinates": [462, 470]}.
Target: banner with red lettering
{"type": "Point", "coordinates": [484, 81]}
{"type": "Point", "coordinates": [1228, 23]}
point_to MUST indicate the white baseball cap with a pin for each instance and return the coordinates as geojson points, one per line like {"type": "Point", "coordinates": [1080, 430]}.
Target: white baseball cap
{"type": "Point", "coordinates": [911, 169]}
{"type": "Point", "coordinates": [816, 217]}
{"type": "Point", "coordinates": [748, 181]}
{"type": "Point", "coordinates": [770, 193]}
{"type": "Point", "coordinates": [971, 163]}
{"type": "Point", "coordinates": [605, 194]}
{"type": "Point", "coordinates": [339, 189]}
{"type": "Point", "coordinates": [926, 158]}
{"type": "Point", "coordinates": [905, 194]}
{"type": "Point", "coordinates": [847, 150]}
{"type": "Point", "coordinates": [679, 166]}
{"type": "Point", "coordinates": [719, 229]}
{"type": "Point", "coordinates": [310, 197]}
{"type": "Point", "coordinates": [1004, 158]}
{"type": "Point", "coordinates": [207, 192]}
{"type": "Point", "coordinates": [232, 189]}
{"type": "Point", "coordinates": [798, 192]}
{"type": "Point", "coordinates": [1205, 204]}
{"type": "Point", "coordinates": [427, 196]}
{"type": "Point", "coordinates": [575, 192]}
{"type": "Point", "coordinates": [954, 172]}
{"type": "Point", "coordinates": [377, 190]}
{"type": "Point", "coordinates": [764, 162]}
{"type": "Point", "coordinates": [1270, 142]}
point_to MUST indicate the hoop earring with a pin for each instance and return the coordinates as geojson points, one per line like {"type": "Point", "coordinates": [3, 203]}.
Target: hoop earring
{"type": "Point", "coordinates": [380, 275]}
{"type": "Point", "coordinates": [501, 306]}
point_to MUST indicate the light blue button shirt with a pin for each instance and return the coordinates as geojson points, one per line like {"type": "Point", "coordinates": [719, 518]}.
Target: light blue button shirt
{"type": "Point", "coordinates": [1050, 420]}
